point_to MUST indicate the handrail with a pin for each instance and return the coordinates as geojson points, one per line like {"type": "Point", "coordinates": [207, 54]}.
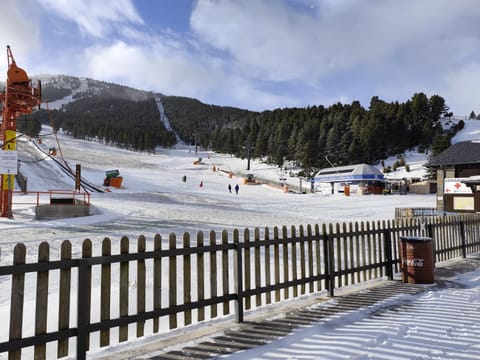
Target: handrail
{"type": "Point", "coordinates": [49, 195]}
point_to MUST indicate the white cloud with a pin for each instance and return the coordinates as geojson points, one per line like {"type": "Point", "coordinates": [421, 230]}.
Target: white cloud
{"type": "Point", "coordinates": [19, 29]}
{"type": "Point", "coordinates": [462, 88]}
{"type": "Point", "coordinates": [169, 67]}
{"type": "Point", "coordinates": [158, 66]}
{"type": "Point", "coordinates": [276, 40]}
{"type": "Point", "coordinates": [261, 36]}
{"type": "Point", "coordinates": [259, 54]}
{"type": "Point", "coordinates": [93, 17]}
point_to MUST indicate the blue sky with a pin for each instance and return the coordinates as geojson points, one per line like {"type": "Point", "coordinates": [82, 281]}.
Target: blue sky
{"type": "Point", "coordinates": [256, 54]}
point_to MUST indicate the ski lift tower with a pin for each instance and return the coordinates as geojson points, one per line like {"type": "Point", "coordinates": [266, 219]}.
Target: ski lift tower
{"type": "Point", "coordinates": [19, 97]}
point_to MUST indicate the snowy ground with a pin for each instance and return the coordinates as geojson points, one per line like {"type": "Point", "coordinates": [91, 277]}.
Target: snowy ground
{"type": "Point", "coordinates": [436, 324]}
{"type": "Point", "coordinates": [154, 199]}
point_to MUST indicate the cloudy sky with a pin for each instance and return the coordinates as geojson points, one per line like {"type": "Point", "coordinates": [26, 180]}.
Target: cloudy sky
{"type": "Point", "coordinates": [256, 54]}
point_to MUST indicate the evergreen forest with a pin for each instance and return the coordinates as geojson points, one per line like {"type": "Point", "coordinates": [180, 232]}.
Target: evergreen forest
{"type": "Point", "coordinates": [316, 137]}
{"type": "Point", "coordinates": [129, 124]}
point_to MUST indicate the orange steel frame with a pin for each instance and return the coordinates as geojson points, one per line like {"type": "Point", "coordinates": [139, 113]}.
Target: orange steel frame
{"type": "Point", "coordinates": [19, 97]}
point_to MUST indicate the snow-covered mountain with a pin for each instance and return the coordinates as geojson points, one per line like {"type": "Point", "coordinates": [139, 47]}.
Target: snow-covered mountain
{"type": "Point", "coordinates": [58, 90]}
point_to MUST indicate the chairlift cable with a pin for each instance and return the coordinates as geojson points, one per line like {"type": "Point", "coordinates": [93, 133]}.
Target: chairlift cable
{"type": "Point", "coordinates": [54, 129]}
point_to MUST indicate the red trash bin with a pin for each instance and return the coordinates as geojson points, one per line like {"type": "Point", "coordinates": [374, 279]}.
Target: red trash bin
{"type": "Point", "coordinates": [417, 260]}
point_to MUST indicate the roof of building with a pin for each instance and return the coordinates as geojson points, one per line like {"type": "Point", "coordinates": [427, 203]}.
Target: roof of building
{"type": "Point", "coordinates": [465, 152]}
{"type": "Point", "coordinates": [346, 173]}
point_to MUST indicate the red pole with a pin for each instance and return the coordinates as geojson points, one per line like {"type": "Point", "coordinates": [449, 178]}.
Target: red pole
{"type": "Point", "coordinates": [18, 98]}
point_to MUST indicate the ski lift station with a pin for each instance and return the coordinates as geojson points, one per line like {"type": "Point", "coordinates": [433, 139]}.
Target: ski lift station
{"type": "Point", "coordinates": [359, 179]}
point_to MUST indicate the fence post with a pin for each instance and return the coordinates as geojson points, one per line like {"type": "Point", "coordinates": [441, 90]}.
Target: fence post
{"type": "Point", "coordinates": [331, 267]}
{"type": "Point", "coordinates": [17, 297]}
{"type": "Point", "coordinates": [329, 261]}
{"type": "Point", "coordinates": [172, 281]}
{"type": "Point", "coordinates": [200, 276]}
{"type": "Point", "coordinates": [238, 277]}
{"type": "Point", "coordinates": [141, 285]}
{"type": "Point", "coordinates": [105, 291]}
{"type": "Point", "coordinates": [64, 298]}
{"type": "Point", "coordinates": [225, 273]}
{"type": "Point", "coordinates": [387, 236]}
{"type": "Point", "coordinates": [83, 300]}
{"type": "Point", "coordinates": [187, 281]}
{"type": "Point", "coordinates": [123, 289]}
{"type": "Point", "coordinates": [213, 274]}
{"type": "Point", "coordinates": [462, 235]}
{"type": "Point", "coordinates": [430, 235]}
{"type": "Point", "coordinates": [82, 318]}
{"type": "Point", "coordinates": [41, 301]}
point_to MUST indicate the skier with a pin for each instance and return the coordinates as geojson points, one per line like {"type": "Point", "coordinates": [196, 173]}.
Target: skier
{"type": "Point", "coordinates": [201, 183]}
{"type": "Point", "coordinates": [229, 188]}
{"type": "Point", "coordinates": [237, 188]}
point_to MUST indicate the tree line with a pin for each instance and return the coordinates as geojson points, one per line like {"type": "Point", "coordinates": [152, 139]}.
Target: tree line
{"type": "Point", "coordinates": [315, 137]}
{"type": "Point", "coordinates": [195, 121]}
{"type": "Point", "coordinates": [129, 124]}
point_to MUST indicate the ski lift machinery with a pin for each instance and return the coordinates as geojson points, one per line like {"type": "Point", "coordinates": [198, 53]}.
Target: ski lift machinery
{"type": "Point", "coordinates": [19, 97]}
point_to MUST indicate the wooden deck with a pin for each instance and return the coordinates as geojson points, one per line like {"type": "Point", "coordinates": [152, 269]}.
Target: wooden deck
{"type": "Point", "coordinates": [252, 334]}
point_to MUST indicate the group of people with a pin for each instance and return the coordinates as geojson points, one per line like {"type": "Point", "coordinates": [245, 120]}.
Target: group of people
{"type": "Point", "coordinates": [236, 188]}
{"type": "Point", "coordinates": [229, 187]}
{"type": "Point", "coordinates": [184, 179]}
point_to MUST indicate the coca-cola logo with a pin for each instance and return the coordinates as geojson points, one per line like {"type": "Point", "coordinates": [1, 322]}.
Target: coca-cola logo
{"type": "Point", "coordinates": [413, 262]}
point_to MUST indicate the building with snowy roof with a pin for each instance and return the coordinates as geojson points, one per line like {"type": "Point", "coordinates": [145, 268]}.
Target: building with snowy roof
{"type": "Point", "coordinates": [363, 177]}
{"type": "Point", "coordinates": [458, 177]}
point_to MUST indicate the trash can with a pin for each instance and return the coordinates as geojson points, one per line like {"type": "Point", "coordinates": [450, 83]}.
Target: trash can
{"type": "Point", "coordinates": [417, 260]}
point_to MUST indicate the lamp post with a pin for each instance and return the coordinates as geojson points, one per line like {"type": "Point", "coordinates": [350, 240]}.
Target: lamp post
{"type": "Point", "coordinates": [248, 147]}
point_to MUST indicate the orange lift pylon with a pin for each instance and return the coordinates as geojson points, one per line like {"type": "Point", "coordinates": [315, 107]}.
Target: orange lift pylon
{"type": "Point", "coordinates": [19, 97]}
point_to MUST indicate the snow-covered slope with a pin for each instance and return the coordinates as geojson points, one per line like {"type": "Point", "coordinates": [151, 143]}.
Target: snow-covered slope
{"type": "Point", "coordinates": [57, 104]}
{"type": "Point", "coordinates": [164, 119]}
{"type": "Point", "coordinates": [470, 132]}
{"type": "Point", "coordinates": [416, 160]}
{"type": "Point", "coordinates": [81, 87]}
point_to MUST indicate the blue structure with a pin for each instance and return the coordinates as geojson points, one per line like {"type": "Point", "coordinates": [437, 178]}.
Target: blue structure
{"type": "Point", "coordinates": [367, 177]}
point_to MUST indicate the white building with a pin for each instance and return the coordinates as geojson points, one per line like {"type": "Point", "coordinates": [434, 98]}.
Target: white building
{"type": "Point", "coordinates": [363, 178]}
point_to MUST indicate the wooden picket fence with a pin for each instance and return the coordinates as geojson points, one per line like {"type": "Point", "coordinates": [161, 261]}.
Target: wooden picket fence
{"type": "Point", "coordinates": [179, 282]}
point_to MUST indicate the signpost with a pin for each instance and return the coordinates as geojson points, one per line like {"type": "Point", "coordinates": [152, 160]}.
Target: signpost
{"type": "Point", "coordinates": [456, 186]}
{"type": "Point", "coordinates": [8, 162]}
